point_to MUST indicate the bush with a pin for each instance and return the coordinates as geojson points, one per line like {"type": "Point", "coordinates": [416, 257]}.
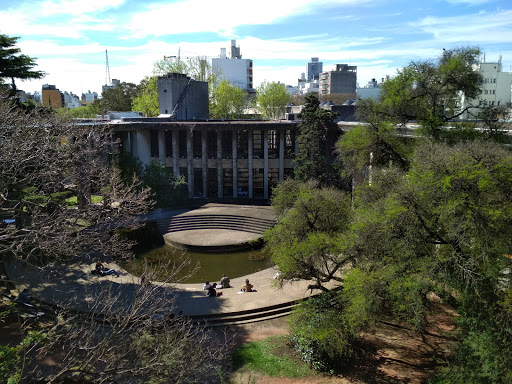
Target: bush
{"type": "Point", "coordinates": [320, 334]}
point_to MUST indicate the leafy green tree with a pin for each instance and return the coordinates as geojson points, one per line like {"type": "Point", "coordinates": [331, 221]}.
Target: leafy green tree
{"type": "Point", "coordinates": [119, 98]}
{"type": "Point", "coordinates": [302, 244]}
{"type": "Point", "coordinates": [428, 91]}
{"type": "Point", "coordinates": [228, 101]}
{"type": "Point", "coordinates": [271, 99]}
{"type": "Point", "coordinates": [316, 141]}
{"type": "Point", "coordinates": [14, 65]}
{"type": "Point", "coordinates": [165, 188]}
{"type": "Point", "coordinates": [146, 98]}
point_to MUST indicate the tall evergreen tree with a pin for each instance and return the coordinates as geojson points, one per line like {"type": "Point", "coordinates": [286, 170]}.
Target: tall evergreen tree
{"type": "Point", "coordinates": [14, 65]}
{"type": "Point", "coordinates": [313, 160]}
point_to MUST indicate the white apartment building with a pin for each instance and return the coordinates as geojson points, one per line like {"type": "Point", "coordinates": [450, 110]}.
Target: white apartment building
{"type": "Point", "coordinates": [236, 70]}
{"type": "Point", "coordinates": [496, 88]}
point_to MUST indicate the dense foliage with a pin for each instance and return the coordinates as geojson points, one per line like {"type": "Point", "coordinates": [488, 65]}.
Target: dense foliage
{"type": "Point", "coordinates": [271, 99]}
{"type": "Point", "coordinates": [427, 216]}
{"type": "Point", "coordinates": [228, 101]}
{"type": "Point", "coordinates": [317, 133]}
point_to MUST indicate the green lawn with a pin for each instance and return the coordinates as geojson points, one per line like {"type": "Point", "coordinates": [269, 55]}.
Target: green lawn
{"type": "Point", "coordinates": [273, 357]}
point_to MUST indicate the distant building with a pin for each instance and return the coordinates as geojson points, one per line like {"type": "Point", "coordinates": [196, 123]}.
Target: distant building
{"type": "Point", "coordinates": [236, 70]}
{"type": "Point", "coordinates": [342, 80]}
{"type": "Point", "coordinates": [115, 83]}
{"type": "Point", "coordinates": [313, 69]}
{"type": "Point", "coordinates": [52, 97]}
{"type": "Point", "coordinates": [182, 97]}
{"type": "Point", "coordinates": [89, 97]}
{"type": "Point", "coordinates": [71, 100]}
{"type": "Point", "coordinates": [495, 90]}
{"type": "Point", "coordinates": [370, 90]}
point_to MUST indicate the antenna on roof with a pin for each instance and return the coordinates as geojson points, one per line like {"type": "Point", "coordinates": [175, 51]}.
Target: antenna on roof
{"type": "Point", "coordinates": [107, 73]}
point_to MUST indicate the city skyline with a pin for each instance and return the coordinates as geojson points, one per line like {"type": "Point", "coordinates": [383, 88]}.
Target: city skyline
{"type": "Point", "coordinates": [69, 38]}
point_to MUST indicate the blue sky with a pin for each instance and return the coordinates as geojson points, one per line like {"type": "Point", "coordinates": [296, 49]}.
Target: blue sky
{"type": "Point", "coordinates": [69, 37]}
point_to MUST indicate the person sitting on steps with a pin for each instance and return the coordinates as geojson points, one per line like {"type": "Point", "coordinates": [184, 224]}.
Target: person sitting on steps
{"type": "Point", "coordinates": [224, 281]}
{"type": "Point", "coordinates": [247, 287]}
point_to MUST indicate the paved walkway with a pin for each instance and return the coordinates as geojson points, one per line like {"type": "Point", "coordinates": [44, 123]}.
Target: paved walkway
{"type": "Point", "coordinates": [71, 285]}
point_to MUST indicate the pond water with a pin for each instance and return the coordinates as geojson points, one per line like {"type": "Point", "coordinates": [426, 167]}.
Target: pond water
{"type": "Point", "coordinates": [212, 266]}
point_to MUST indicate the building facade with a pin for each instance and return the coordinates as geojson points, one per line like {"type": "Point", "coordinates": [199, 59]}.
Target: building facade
{"type": "Point", "coordinates": [342, 80]}
{"type": "Point", "coordinates": [52, 97]}
{"type": "Point", "coordinates": [217, 159]}
{"type": "Point", "coordinates": [313, 69]}
{"type": "Point", "coordinates": [236, 70]}
{"type": "Point", "coordinates": [495, 91]}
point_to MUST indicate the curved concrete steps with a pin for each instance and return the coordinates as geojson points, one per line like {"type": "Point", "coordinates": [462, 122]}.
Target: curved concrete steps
{"type": "Point", "coordinates": [247, 316]}
{"type": "Point", "coordinates": [228, 222]}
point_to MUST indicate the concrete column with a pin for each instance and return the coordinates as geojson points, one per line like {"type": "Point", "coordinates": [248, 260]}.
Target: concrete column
{"type": "Point", "coordinates": [161, 147]}
{"type": "Point", "coordinates": [249, 161]}
{"type": "Point", "coordinates": [204, 160]}
{"type": "Point", "coordinates": [190, 164]}
{"type": "Point", "coordinates": [265, 164]}
{"type": "Point", "coordinates": [220, 189]}
{"type": "Point", "coordinates": [175, 152]}
{"type": "Point", "coordinates": [234, 142]}
{"type": "Point", "coordinates": [143, 146]}
{"type": "Point", "coordinates": [128, 147]}
{"type": "Point", "coordinates": [281, 155]}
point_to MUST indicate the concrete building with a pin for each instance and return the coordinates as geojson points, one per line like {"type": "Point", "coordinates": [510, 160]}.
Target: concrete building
{"type": "Point", "coordinates": [342, 80]}
{"type": "Point", "coordinates": [52, 97]}
{"type": "Point", "coordinates": [496, 88]}
{"type": "Point", "coordinates": [370, 90]}
{"type": "Point", "coordinates": [236, 70]}
{"type": "Point", "coordinates": [71, 100]}
{"type": "Point", "coordinates": [89, 97]}
{"type": "Point", "coordinates": [115, 83]}
{"type": "Point", "coordinates": [228, 159]}
{"type": "Point", "coordinates": [313, 69]}
{"type": "Point", "coordinates": [183, 98]}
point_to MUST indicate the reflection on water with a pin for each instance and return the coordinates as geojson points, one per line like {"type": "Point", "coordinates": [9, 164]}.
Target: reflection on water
{"type": "Point", "coordinates": [211, 265]}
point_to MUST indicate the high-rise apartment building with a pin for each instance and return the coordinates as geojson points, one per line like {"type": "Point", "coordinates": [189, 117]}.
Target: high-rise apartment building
{"type": "Point", "coordinates": [495, 90]}
{"type": "Point", "coordinates": [342, 80]}
{"type": "Point", "coordinates": [236, 70]}
{"type": "Point", "coordinates": [313, 69]}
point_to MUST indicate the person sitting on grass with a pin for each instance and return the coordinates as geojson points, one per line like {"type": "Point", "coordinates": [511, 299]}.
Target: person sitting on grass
{"type": "Point", "coordinates": [101, 270]}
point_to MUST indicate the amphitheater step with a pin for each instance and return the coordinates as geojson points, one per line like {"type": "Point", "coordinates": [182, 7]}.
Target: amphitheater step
{"type": "Point", "coordinates": [243, 317]}
{"type": "Point", "coordinates": [228, 222]}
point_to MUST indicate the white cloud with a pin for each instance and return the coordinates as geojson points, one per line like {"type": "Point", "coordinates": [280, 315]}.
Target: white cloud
{"type": "Point", "coordinates": [482, 27]}
{"type": "Point", "coordinates": [221, 16]}
{"type": "Point", "coordinates": [75, 7]}
{"type": "Point", "coordinates": [468, 2]}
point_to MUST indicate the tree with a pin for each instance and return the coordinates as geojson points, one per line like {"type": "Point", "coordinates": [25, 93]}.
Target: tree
{"type": "Point", "coordinates": [228, 101]}
{"type": "Point", "coordinates": [14, 65]}
{"type": "Point", "coordinates": [429, 91]}
{"type": "Point", "coordinates": [120, 97]}
{"type": "Point", "coordinates": [46, 165]}
{"type": "Point", "coordinates": [146, 97]}
{"type": "Point", "coordinates": [316, 141]}
{"type": "Point", "coordinates": [302, 243]}
{"type": "Point", "coordinates": [272, 99]}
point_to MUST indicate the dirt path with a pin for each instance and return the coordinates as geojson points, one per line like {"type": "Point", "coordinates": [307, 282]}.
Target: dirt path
{"type": "Point", "coordinates": [392, 353]}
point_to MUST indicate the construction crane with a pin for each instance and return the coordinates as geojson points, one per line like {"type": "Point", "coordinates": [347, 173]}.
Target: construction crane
{"type": "Point", "coordinates": [107, 73]}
